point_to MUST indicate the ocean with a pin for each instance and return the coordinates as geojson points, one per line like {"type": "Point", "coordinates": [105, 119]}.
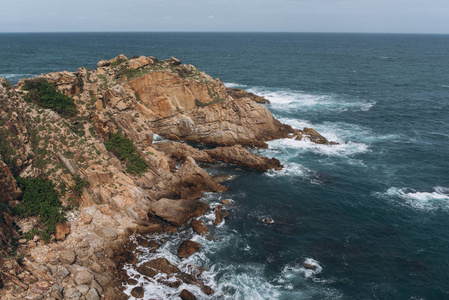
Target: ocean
{"type": "Point", "coordinates": [372, 213]}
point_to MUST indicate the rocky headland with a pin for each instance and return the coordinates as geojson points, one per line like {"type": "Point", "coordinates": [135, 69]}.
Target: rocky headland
{"type": "Point", "coordinates": [85, 141]}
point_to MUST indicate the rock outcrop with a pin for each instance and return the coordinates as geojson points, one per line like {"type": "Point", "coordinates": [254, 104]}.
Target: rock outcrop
{"type": "Point", "coordinates": [180, 151]}
{"type": "Point", "coordinates": [239, 93]}
{"type": "Point", "coordinates": [178, 212]}
{"type": "Point", "coordinates": [136, 187]}
{"type": "Point", "coordinates": [242, 157]}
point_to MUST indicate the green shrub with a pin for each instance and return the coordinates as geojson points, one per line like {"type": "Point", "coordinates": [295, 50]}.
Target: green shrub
{"type": "Point", "coordinates": [39, 198]}
{"type": "Point", "coordinates": [79, 186]}
{"type": "Point", "coordinates": [124, 149]}
{"type": "Point", "coordinates": [45, 94]}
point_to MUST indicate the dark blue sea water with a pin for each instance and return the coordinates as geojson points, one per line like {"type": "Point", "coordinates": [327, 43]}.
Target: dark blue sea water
{"type": "Point", "coordinates": [371, 213]}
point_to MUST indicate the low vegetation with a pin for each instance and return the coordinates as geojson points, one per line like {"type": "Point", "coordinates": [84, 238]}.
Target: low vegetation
{"type": "Point", "coordinates": [46, 95]}
{"type": "Point", "coordinates": [124, 149]}
{"type": "Point", "coordinates": [39, 198]}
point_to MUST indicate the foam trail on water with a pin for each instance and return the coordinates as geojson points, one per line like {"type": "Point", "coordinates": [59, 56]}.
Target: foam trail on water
{"type": "Point", "coordinates": [234, 85]}
{"type": "Point", "coordinates": [438, 198]}
{"type": "Point", "coordinates": [291, 101]}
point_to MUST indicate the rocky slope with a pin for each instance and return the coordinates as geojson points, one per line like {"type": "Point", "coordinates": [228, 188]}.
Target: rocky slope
{"type": "Point", "coordinates": [98, 153]}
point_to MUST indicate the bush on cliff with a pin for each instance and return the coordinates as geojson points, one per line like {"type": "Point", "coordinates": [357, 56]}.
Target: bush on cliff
{"type": "Point", "coordinates": [45, 94]}
{"type": "Point", "coordinates": [39, 198]}
{"type": "Point", "coordinates": [124, 149]}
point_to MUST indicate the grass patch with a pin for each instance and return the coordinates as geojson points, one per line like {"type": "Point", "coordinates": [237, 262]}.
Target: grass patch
{"type": "Point", "coordinates": [124, 149]}
{"type": "Point", "coordinates": [117, 62]}
{"type": "Point", "coordinates": [45, 94]}
{"type": "Point", "coordinates": [39, 198]}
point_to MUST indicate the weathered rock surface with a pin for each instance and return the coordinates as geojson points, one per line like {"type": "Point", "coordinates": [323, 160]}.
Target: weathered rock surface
{"type": "Point", "coordinates": [187, 248]}
{"type": "Point", "coordinates": [313, 136]}
{"type": "Point", "coordinates": [158, 265]}
{"type": "Point", "coordinates": [138, 292]}
{"type": "Point", "coordinates": [138, 97]}
{"type": "Point", "coordinates": [220, 215]}
{"type": "Point", "coordinates": [186, 295]}
{"type": "Point", "coordinates": [180, 151]}
{"type": "Point", "coordinates": [199, 227]}
{"type": "Point", "coordinates": [178, 212]}
{"type": "Point", "coordinates": [242, 157]}
{"type": "Point", "coordinates": [239, 93]}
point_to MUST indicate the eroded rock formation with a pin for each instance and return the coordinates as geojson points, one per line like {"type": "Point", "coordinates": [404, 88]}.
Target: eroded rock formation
{"type": "Point", "coordinates": [142, 188]}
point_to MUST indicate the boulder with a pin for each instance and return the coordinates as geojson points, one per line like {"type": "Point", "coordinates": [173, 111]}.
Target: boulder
{"type": "Point", "coordinates": [308, 266]}
{"type": "Point", "coordinates": [220, 215]}
{"type": "Point", "coordinates": [67, 256]}
{"type": "Point", "coordinates": [84, 277]}
{"type": "Point", "coordinates": [177, 212]}
{"type": "Point", "coordinates": [226, 202]}
{"type": "Point", "coordinates": [313, 136]}
{"type": "Point", "coordinates": [40, 287]}
{"type": "Point", "coordinates": [103, 63]}
{"type": "Point", "coordinates": [109, 233]}
{"type": "Point", "coordinates": [191, 180]}
{"type": "Point", "coordinates": [155, 266]}
{"type": "Point", "coordinates": [242, 157]}
{"type": "Point", "coordinates": [92, 295]}
{"type": "Point", "coordinates": [138, 292]}
{"type": "Point", "coordinates": [186, 295]}
{"type": "Point", "coordinates": [199, 227]}
{"type": "Point", "coordinates": [187, 248]}
{"type": "Point", "coordinates": [62, 230]}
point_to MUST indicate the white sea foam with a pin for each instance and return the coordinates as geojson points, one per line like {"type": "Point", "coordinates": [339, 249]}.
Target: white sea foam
{"type": "Point", "coordinates": [234, 85]}
{"type": "Point", "coordinates": [9, 76]}
{"type": "Point", "coordinates": [290, 169]}
{"type": "Point", "coordinates": [342, 150]}
{"type": "Point", "coordinates": [289, 100]}
{"type": "Point", "coordinates": [431, 200]}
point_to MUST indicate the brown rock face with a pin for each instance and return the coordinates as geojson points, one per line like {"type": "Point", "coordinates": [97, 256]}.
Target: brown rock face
{"type": "Point", "coordinates": [199, 227]}
{"type": "Point", "coordinates": [178, 212]}
{"type": "Point", "coordinates": [62, 230]}
{"type": "Point", "coordinates": [220, 215]}
{"type": "Point", "coordinates": [191, 180]}
{"type": "Point", "coordinates": [186, 295]}
{"type": "Point", "coordinates": [180, 151]}
{"type": "Point", "coordinates": [242, 157]}
{"type": "Point", "coordinates": [312, 135]}
{"type": "Point", "coordinates": [158, 265]}
{"type": "Point", "coordinates": [187, 248]}
{"type": "Point", "coordinates": [226, 123]}
{"type": "Point", "coordinates": [138, 292]}
{"type": "Point", "coordinates": [239, 93]}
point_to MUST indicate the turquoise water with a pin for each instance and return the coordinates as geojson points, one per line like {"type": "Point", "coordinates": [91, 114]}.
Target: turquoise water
{"type": "Point", "coordinates": [372, 213]}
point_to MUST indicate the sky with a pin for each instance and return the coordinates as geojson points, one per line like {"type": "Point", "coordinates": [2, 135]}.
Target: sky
{"type": "Point", "coordinates": [389, 16]}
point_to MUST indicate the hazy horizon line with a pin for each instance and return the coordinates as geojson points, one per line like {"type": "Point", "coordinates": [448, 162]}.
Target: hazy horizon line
{"type": "Point", "coordinates": [170, 31]}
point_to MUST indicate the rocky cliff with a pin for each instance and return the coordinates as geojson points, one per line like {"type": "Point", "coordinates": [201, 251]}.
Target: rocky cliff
{"type": "Point", "coordinates": [90, 134]}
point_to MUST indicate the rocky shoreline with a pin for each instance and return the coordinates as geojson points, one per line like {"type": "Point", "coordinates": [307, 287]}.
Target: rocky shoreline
{"type": "Point", "coordinates": [117, 186]}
